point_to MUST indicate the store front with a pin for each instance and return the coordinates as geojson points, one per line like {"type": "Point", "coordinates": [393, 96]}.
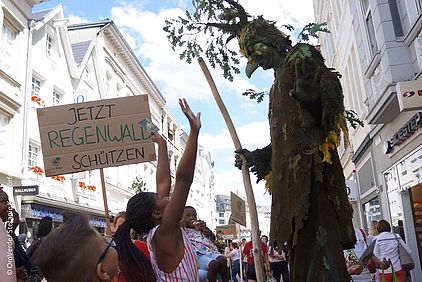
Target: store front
{"type": "Point", "coordinates": [403, 183]}
{"type": "Point", "coordinates": [371, 212]}
{"type": "Point", "coordinates": [34, 210]}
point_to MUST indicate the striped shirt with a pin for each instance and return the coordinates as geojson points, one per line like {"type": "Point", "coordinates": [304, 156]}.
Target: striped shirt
{"type": "Point", "coordinates": [186, 271]}
{"type": "Point", "coordinates": [387, 246]}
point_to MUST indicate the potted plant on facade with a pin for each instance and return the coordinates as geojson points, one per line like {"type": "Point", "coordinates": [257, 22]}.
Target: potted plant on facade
{"type": "Point", "coordinates": [37, 100]}
{"type": "Point", "coordinates": [91, 188]}
{"type": "Point", "coordinates": [37, 170]}
{"type": "Point", "coordinates": [59, 178]}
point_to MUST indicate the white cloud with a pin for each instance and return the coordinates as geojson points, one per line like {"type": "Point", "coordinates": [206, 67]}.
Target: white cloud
{"type": "Point", "coordinates": [231, 181]}
{"type": "Point", "coordinates": [176, 78]}
{"type": "Point", "coordinates": [227, 177]}
{"type": "Point", "coordinates": [283, 12]}
{"type": "Point", "coordinates": [74, 19]}
{"type": "Point", "coordinates": [252, 135]}
{"type": "Point", "coordinates": [129, 39]}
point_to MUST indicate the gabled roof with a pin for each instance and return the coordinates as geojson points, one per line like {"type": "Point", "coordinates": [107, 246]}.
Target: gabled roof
{"type": "Point", "coordinates": [109, 28]}
{"type": "Point", "coordinates": [45, 16]}
{"type": "Point", "coordinates": [79, 50]}
{"type": "Point", "coordinates": [34, 2]}
{"type": "Point", "coordinates": [38, 16]}
{"type": "Point", "coordinates": [101, 23]}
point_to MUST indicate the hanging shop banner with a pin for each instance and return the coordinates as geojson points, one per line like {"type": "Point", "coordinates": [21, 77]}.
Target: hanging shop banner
{"type": "Point", "coordinates": [91, 135]}
{"type": "Point", "coordinates": [26, 190]}
{"type": "Point", "coordinates": [403, 133]}
{"type": "Point", "coordinates": [352, 190]}
{"type": "Point", "coordinates": [238, 209]}
{"type": "Point", "coordinates": [409, 94]}
{"type": "Point", "coordinates": [228, 231]}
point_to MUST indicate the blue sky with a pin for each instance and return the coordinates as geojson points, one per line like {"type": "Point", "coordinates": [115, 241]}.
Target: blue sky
{"type": "Point", "coordinates": [141, 22]}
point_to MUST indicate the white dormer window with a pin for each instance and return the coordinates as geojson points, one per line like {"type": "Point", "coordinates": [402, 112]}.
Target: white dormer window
{"type": "Point", "coordinates": [7, 50]}
{"type": "Point", "coordinates": [57, 97]}
{"type": "Point", "coordinates": [49, 45]}
{"type": "Point", "coordinates": [33, 152]}
{"type": "Point", "coordinates": [36, 87]}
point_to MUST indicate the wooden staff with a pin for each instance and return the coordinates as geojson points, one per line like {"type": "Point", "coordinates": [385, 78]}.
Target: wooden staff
{"type": "Point", "coordinates": [106, 214]}
{"type": "Point", "coordinates": [256, 243]}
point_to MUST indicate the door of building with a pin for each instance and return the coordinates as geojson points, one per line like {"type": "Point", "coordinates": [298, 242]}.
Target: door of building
{"type": "Point", "coordinates": [416, 201]}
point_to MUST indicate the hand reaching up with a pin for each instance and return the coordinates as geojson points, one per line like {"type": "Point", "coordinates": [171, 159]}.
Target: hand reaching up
{"type": "Point", "coordinates": [194, 121]}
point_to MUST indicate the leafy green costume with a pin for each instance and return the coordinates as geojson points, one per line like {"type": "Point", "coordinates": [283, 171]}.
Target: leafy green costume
{"type": "Point", "coordinates": [310, 208]}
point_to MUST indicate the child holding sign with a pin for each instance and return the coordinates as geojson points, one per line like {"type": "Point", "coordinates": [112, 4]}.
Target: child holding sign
{"type": "Point", "coordinates": [172, 254]}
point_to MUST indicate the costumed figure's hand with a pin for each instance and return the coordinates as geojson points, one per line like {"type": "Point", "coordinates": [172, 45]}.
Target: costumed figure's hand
{"type": "Point", "coordinates": [258, 160]}
{"type": "Point", "coordinates": [248, 156]}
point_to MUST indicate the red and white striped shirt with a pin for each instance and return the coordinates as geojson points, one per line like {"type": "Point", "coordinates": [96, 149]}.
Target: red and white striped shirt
{"type": "Point", "coordinates": [186, 271]}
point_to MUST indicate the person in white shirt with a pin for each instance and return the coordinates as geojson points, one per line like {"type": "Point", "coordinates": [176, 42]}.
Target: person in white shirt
{"type": "Point", "coordinates": [278, 261]}
{"type": "Point", "coordinates": [234, 254]}
{"type": "Point", "coordinates": [387, 246]}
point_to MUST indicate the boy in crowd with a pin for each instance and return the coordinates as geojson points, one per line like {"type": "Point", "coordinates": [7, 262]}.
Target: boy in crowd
{"type": "Point", "coordinates": [209, 259]}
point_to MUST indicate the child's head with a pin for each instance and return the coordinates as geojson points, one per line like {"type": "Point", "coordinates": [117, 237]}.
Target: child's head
{"type": "Point", "coordinates": [75, 251]}
{"type": "Point", "coordinates": [264, 239]}
{"type": "Point", "coordinates": [143, 212]}
{"type": "Point", "coordinates": [189, 217]}
{"type": "Point", "coordinates": [118, 220]}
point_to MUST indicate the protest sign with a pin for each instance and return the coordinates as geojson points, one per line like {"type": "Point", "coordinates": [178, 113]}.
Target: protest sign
{"type": "Point", "coordinates": [98, 134]}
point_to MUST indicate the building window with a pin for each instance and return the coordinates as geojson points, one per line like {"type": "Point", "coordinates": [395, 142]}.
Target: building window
{"type": "Point", "coordinates": [49, 45]}
{"type": "Point", "coordinates": [57, 97]}
{"type": "Point", "coordinates": [33, 152]}
{"type": "Point", "coordinates": [8, 35]}
{"type": "Point", "coordinates": [4, 121]}
{"type": "Point", "coordinates": [371, 211]}
{"type": "Point", "coordinates": [419, 5]}
{"type": "Point", "coordinates": [395, 16]}
{"type": "Point", "coordinates": [221, 221]}
{"type": "Point", "coordinates": [221, 214]}
{"type": "Point", "coordinates": [36, 87]}
{"type": "Point", "coordinates": [370, 27]}
{"type": "Point", "coordinates": [366, 178]}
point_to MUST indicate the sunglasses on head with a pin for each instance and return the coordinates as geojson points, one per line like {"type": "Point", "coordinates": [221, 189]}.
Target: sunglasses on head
{"type": "Point", "coordinates": [110, 243]}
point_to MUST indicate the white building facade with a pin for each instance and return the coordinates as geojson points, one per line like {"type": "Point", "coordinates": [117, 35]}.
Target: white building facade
{"type": "Point", "coordinates": [14, 41]}
{"type": "Point", "coordinates": [223, 213]}
{"type": "Point", "coordinates": [73, 64]}
{"type": "Point", "coordinates": [377, 47]}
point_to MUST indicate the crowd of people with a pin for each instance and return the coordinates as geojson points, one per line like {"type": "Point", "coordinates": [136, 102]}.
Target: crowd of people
{"type": "Point", "coordinates": [159, 238]}
{"type": "Point", "coordinates": [382, 262]}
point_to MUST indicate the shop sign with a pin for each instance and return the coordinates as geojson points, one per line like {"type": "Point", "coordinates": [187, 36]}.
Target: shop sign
{"type": "Point", "coordinates": [401, 135]}
{"type": "Point", "coordinates": [228, 231]}
{"type": "Point", "coordinates": [409, 94]}
{"type": "Point", "coordinates": [238, 209]}
{"type": "Point", "coordinates": [98, 134]}
{"type": "Point", "coordinates": [352, 190]}
{"type": "Point", "coordinates": [26, 190]}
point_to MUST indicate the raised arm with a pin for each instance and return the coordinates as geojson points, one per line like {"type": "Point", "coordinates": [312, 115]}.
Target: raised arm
{"type": "Point", "coordinates": [184, 174]}
{"type": "Point", "coordinates": [163, 178]}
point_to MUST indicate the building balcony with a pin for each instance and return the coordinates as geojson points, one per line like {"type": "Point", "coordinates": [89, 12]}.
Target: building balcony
{"type": "Point", "coordinates": [386, 109]}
